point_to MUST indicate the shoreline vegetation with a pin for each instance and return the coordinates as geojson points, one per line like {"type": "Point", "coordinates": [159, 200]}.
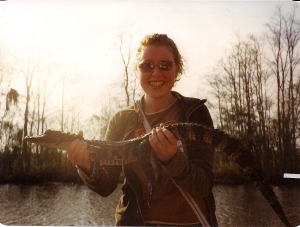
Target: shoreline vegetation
{"type": "Point", "coordinates": [52, 166]}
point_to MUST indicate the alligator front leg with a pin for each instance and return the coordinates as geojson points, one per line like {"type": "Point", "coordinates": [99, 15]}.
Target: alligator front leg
{"type": "Point", "coordinates": [144, 154]}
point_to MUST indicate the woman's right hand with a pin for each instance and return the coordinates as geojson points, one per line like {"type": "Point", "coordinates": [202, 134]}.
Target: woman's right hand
{"type": "Point", "coordinates": [78, 154]}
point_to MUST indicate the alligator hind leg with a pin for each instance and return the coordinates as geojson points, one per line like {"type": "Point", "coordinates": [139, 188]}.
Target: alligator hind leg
{"type": "Point", "coordinates": [144, 154]}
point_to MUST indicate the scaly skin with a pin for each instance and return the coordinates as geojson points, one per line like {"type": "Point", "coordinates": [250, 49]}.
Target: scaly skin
{"type": "Point", "coordinates": [122, 152]}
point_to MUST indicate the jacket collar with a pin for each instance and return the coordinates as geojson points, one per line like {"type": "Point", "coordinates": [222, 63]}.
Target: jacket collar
{"type": "Point", "coordinates": [188, 104]}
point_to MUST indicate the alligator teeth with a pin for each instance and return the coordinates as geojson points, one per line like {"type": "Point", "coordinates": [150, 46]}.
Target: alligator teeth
{"type": "Point", "coordinates": [156, 84]}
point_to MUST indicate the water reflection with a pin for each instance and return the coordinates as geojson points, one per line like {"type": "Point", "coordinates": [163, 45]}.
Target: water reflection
{"type": "Point", "coordinates": [66, 204]}
{"type": "Point", "coordinates": [55, 204]}
{"type": "Point", "coordinates": [245, 206]}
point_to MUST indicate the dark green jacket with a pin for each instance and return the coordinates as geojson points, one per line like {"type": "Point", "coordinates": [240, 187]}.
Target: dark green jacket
{"type": "Point", "coordinates": [191, 171]}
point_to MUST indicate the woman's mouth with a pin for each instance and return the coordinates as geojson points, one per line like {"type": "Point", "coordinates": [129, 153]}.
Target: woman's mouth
{"type": "Point", "coordinates": [156, 83]}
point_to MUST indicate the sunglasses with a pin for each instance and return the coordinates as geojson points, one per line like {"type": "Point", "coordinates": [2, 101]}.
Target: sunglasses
{"type": "Point", "coordinates": [162, 65]}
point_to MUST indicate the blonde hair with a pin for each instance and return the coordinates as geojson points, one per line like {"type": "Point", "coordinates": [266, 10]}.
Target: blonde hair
{"type": "Point", "coordinates": [163, 40]}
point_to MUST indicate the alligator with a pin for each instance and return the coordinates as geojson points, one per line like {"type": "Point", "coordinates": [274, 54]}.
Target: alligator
{"type": "Point", "coordinates": [122, 152]}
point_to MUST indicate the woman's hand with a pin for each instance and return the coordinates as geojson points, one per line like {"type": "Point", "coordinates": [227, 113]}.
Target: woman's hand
{"type": "Point", "coordinates": [79, 155]}
{"type": "Point", "coordinates": [163, 143]}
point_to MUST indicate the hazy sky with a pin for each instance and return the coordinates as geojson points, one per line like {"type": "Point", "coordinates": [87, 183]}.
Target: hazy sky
{"type": "Point", "coordinates": [82, 34]}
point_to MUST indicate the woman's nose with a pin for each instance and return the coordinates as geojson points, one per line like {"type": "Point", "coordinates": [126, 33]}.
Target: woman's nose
{"type": "Point", "coordinates": [156, 71]}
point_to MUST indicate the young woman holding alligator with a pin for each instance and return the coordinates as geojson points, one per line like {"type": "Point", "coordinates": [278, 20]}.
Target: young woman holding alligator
{"type": "Point", "coordinates": [183, 170]}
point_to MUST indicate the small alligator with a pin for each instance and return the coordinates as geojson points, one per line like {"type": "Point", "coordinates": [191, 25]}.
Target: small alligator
{"type": "Point", "coordinates": [122, 152]}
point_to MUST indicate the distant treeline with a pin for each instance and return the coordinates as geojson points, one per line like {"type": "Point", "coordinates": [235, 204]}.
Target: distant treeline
{"type": "Point", "coordinates": [254, 96]}
{"type": "Point", "coordinates": [51, 165]}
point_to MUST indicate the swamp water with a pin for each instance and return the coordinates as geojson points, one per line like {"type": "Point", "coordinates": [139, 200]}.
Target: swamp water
{"type": "Point", "coordinates": [67, 204]}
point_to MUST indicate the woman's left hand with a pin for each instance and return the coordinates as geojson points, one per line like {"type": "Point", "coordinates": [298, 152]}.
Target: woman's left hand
{"type": "Point", "coordinates": [163, 143]}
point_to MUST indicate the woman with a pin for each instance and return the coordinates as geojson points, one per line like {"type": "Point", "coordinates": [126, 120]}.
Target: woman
{"type": "Point", "coordinates": [179, 166]}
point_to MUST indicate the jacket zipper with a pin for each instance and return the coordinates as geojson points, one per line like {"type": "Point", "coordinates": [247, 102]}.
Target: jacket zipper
{"type": "Point", "coordinates": [138, 204]}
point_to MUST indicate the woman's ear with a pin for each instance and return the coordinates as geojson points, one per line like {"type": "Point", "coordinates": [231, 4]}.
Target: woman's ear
{"type": "Point", "coordinates": [177, 69]}
{"type": "Point", "coordinates": [177, 72]}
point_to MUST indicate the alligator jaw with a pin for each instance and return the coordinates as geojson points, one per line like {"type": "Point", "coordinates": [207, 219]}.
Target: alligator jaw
{"type": "Point", "coordinates": [55, 139]}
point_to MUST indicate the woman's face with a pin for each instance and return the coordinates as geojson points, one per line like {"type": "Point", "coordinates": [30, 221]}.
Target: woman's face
{"type": "Point", "coordinates": [157, 83]}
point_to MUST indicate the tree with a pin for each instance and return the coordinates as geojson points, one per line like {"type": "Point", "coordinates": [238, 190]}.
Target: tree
{"type": "Point", "coordinates": [283, 38]}
{"type": "Point", "coordinates": [239, 83]}
{"type": "Point", "coordinates": [28, 69]}
{"type": "Point", "coordinates": [63, 100]}
{"type": "Point", "coordinates": [44, 71]}
{"type": "Point", "coordinates": [7, 94]}
{"type": "Point", "coordinates": [129, 80]}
